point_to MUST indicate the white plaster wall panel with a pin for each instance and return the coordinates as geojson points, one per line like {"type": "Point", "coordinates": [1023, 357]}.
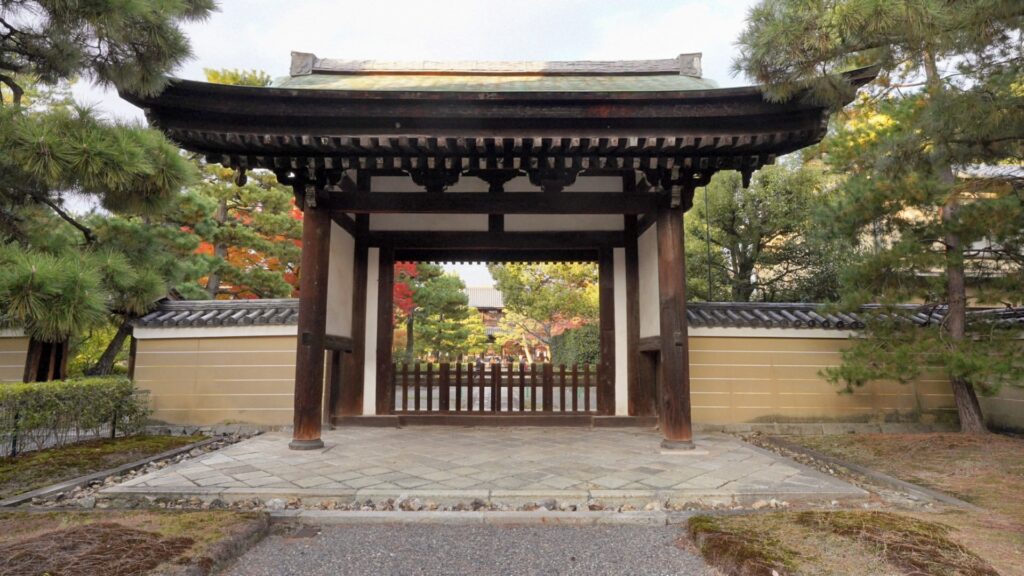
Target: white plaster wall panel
{"type": "Point", "coordinates": [521, 184]}
{"type": "Point", "coordinates": [647, 247]}
{"type": "Point", "coordinates": [370, 353]}
{"type": "Point", "coordinates": [429, 222]}
{"type": "Point", "coordinates": [340, 274]}
{"type": "Point", "coordinates": [563, 222]}
{"type": "Point", "coordinates": [474, 184]}
{"type": "Point", "coordinates": [394, 184]}
{"type": "Point", "coordinates": [596, 184]}
{"type": "Point", "coordinates": [621, 353]}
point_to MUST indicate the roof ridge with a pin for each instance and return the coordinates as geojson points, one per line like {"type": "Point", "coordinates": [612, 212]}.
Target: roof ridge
{"type": "Point", "coordinates": [305, 63]}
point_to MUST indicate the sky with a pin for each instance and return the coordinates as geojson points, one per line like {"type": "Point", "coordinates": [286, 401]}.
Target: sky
{"type": "Point", "coordinates": [261, 34]}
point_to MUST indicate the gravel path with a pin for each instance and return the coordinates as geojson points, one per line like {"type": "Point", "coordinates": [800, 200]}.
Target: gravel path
{"type": "Point", "coordinates": [471, 550]}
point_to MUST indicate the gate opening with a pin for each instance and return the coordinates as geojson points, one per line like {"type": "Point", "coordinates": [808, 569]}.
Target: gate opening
{"type": "Point", "coordinates": [471, 353]}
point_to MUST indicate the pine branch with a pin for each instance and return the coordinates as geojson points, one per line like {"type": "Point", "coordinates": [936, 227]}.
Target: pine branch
{"type": "Point", "coordinates": [16, 90]}
{"type": "Point", "coordinates": [90, 237]}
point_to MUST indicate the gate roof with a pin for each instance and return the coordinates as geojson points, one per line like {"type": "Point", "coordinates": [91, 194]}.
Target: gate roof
{"type": "Point", "coordinates": [463, 116]}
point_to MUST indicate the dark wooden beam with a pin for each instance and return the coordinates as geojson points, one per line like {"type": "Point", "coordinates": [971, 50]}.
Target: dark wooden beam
{"type": "Point", "coordinates": [338, 343]}
{"type": "Point", "coordinates": [346, 222]}
{"type": "Point", "coordinates": [507, 203]}
{"type": "Point", "coordinates": [606, 306]}
{"type": "Point", "coordinates": [496, 240]}
{"type": "Point", "coordinates": [674, 360]}
{"type": "Point", "coordinates": [644, 222]}
{"type": "Point", "coordinates": [309, 358]}
{"type": "Point", "coordinates": [650, 344]}
{"type": "Point", "coordinates": [495, 223]}
{"type": "Point", "coordinates": [385, 330]}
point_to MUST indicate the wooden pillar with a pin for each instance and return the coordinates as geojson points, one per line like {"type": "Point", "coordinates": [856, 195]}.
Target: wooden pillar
{"type": "Point", "coordinates": [309, 357]}
{"type": "Point", "coordinates": [635, 404]}
{"type": "Point", "coordinates": [385, 330]}
{"type": "Point", "coordinates": [674, 413]}
{"type": "Point", "coordinates": [606, 304]}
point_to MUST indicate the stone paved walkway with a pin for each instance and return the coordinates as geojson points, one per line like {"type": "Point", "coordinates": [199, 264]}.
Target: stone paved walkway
{"type": "Point", "coordinates": [502, 465]}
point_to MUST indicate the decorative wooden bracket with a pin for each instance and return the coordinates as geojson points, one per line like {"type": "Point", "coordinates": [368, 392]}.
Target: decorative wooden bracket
{"type": "Point", "coordinates": [434, 180]}
{"type": "Point", "coordinates": [553, 179]}
{"type": "Point", "coordinates": [496, 179]}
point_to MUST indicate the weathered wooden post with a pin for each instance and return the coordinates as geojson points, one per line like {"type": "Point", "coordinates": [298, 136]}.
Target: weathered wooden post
{"type": "Point", "coordinates": [674, 415]}
{"type": "Point", "coordinates": [309, 357]}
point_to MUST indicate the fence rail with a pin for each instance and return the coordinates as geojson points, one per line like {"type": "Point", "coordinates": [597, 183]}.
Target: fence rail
{"type": "Point", "coordinates": [495, 389]}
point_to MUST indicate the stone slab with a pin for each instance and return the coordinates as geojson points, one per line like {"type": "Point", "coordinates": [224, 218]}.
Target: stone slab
{"type": "Point", "coordinates": [511, 466]}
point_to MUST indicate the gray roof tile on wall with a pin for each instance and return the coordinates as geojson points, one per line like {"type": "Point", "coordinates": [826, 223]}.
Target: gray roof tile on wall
{"type": "Point", "coordinates": [213, 313]}
{"type": "Point", "coordinates": [285, 311]}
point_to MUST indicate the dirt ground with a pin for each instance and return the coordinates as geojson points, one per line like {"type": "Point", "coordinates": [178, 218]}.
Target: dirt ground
{"type": "Point", "coordinates": [121, 543]}
{"type": "Point", "coordinates": [987, 471]}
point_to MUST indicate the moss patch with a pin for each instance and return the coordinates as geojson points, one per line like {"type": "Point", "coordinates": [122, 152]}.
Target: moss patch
{"type": "Point", "coordinates": [740, 548]}
{"type": "Point", "coordinates": [116, 542]}
{"type": "Point", "coordinates": [33, 470]}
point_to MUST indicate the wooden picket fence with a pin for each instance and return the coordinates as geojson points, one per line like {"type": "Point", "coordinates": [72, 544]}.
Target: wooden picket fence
{"type": "Point", "coordinates": [449, 388]}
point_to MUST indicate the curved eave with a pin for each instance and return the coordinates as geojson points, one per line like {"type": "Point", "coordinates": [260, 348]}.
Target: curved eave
{"type": "Point", "coordinates": [268, 127]}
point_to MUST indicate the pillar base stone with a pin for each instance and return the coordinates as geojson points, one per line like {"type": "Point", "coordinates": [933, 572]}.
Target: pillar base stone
{"type": "Point", "coordinates": [315, 444]}
{"type": "Point", "coordinates": [667, 444]}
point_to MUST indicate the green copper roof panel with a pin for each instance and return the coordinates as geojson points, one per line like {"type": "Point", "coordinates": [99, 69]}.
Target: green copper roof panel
{"type": "Point", "coordinates": [495, 83]}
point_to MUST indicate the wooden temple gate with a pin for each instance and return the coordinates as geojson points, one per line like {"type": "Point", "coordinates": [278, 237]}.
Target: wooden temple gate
{"type": "Point", "coordinates": [476, 161]}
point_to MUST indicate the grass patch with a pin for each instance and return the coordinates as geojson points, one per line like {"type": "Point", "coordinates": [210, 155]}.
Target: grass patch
{"type": "Point", "coordinates": [845, 543]}
{"type": "Point", "coordinates": [985, 470]}
{"type": "Point", "coordinates": [118, 542]}
{"type": "Point", "coordinates": [37, 469]}
{"type": "Point", "coordinates": [914, 546]}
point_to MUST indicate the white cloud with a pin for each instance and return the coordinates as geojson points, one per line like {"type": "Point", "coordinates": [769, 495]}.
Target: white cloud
{"type": "Point", "coordinates": [261, 34]}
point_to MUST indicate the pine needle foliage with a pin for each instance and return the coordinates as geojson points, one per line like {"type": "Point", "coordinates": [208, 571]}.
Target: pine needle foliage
{"type": "Point", "coordinates": [919, 153]}
{"type": "Point", "coordinates": [129, 44]}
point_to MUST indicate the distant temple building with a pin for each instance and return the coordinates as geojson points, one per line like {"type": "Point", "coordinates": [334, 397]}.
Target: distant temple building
{"type": "Point", "coordinates": [491, 305]}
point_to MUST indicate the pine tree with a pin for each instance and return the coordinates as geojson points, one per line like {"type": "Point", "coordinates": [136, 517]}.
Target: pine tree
{"type": "Point", "coordinates": [948, 97]}
{"type": "Point", "coordinates": [53, 284]}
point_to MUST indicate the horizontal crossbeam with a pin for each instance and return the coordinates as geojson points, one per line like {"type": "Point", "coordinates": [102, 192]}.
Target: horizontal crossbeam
{"type": "Point", "coordinates": [558, 241]}
{"type": "Point", "coordinates": [507, 203]}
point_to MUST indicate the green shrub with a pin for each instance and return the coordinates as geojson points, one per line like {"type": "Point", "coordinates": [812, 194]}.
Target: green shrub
{"type": "Point", "coordinates": [43, 414]}
{"type": "Point", "coordinates": [577, 346]}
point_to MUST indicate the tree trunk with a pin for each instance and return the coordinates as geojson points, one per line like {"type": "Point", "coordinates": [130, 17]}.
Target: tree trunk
{"type": "Point", "coordinates": [220, 250]}
{"type": "Point", "coordinates": [742, 287]}
{"type": "Point", "coordinates": [105, 365]}
{"type": "Point", "coordinates": [526, 349]}
{"type": "Point", "coordinates": [955, 323]}
{"type": "Point", "coordinates": [46, 361]}
{"type": "Point", "coordinates": [409, 325]}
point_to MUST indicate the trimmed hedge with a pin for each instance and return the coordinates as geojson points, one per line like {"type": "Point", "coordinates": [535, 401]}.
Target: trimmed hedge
{"type": "Point", "coordinates": [50, 414]}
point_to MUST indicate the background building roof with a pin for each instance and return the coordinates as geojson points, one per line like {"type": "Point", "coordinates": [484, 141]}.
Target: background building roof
{"type": "Point", "coordinates": [485, 297]}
